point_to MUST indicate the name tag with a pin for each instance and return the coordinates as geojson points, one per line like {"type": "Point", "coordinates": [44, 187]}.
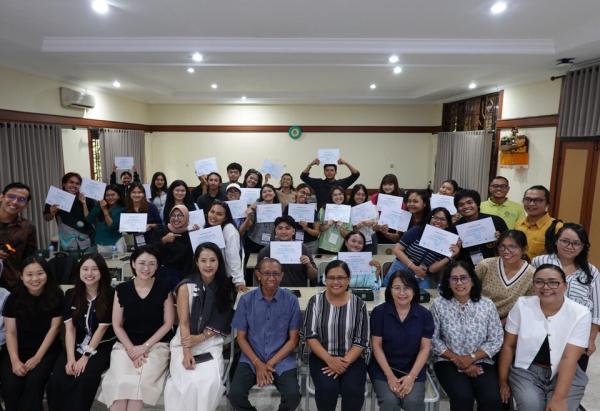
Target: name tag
{"type": "Point", "coordinates": [333, 238]}
{"type": "Point", "coordinates": [140, 240]}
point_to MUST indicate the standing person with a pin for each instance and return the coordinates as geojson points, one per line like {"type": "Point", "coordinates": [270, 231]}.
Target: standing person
{"type": "Point", "coordinates": [213, 192]}
{"type": "Point", "coordinates": [467, 203]}
{"type": "Point", "coordinates": [499, 204]}
{"type": "Point", "coordinates": [233, 193]}
{"type": "Point", "coordinates": [570, 253]}
{"type": "Point", "coordinates": [448, 188]}
{"type": "Point", "coordinates": [32, 316]}
{"type": "Point", "coordinates": [142, 319]}
{"type": "Point", "coordinates": [417, 202]}
{"type": "Point", "coordinates": [389, 185]}
{"type": "Point", "coordinates": [360, 195]}
{"type": "Point", "coordinates": [333, 232]}
{"type": "Point", "coordinates": [268, 321]}
{"type": "Point", "coordinates": [178, 194]}
{"type": "Point", "coordinates": [546, 334]}
{"type": "Point", "coordinates": [17, 234]}
{"type": "Point", "coordinates": [538, 225]}
{"type": "Point", "coordinates": [88, 338]}
{"type": "Point", "coordinates": [158, 190]}
{"type": "Point", "coordinates": [336, 329]}
{"type": "Point", "coordinates": [234, 172]}
{"type": "Point", "coordinates": [467, 335]}
{"type": "Point", "coordinates": [306, 231]}
{"type": "Point", "coordinates": [205, 309]}
{"type": "Point", "coordinates": [252, 179]}
{"type": "Point", "coordinates": [75, 234]}
{"type": "Point", "coordinates": [322, 187]}
{"type": "Point", "coordinates": [105, 217]}
{"type": "Point", "coordinates": [401, 332]}
{"type": "Point", "coordinates": [286, 192]}
{"type": "Point", "coordinates": [136, 202]}
{"type": "Point", "coordinates": [126, 179]}
{"type": "Point", "coordinates": [506, 278]}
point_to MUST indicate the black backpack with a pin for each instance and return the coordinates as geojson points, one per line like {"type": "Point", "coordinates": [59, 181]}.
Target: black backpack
{"type": "Point", "coordinates": [64, 266]}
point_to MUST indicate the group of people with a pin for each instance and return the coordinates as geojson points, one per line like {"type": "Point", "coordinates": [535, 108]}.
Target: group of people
{"type": "Point", "coordinates": [516, 317]}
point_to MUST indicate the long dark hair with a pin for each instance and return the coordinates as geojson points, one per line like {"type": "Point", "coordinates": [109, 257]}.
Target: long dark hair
{"type": "Point", "coordinates": [356, 189]}
{"type": "Point", "coordinates": [51, 295]}
{"type": "Point", "coordinates": [408, 280]}
{"type": "Point", "coordinates": [170, 202]}
{"type": "Point", "coordinates": [114, 188]}
{"type": "Point", "coordinates": [518, 237]}
{"type": "Point", "coordinates": [446, 291]}
{"type": "Point", "coordinates": [291, 178]}
{"type": "Point", "coordinates": [582, 258]}
{"type": "Point", "coordinates": [67, 176]}
{"type": "Point", "coordinates": [225, 290]}
{"type": "Point", "coordinates": [330, 196]}
{"type": "Point", "coordinates": [446, 214]}
{"type": "Point", "coordinates": [228, 217]}
{"type": "Point", "coordinates": [425, 197]}
{"type": "Point", "coordinates": [103, 299]}
{"type": "Point", "coordinates": [129, 201]}
{"type": "Point", "coordinates": [253, 171]}
{"type": "Point", "coordinates": [350, 234]}
{"type": "Point", "coordinates": [275, 199]}
{"type": "Point", "coordinates": [390, 179]}
{"type": "Point", "coordinates": [148, 249]}
{"type": "Point", "coordinates": [154, 191]}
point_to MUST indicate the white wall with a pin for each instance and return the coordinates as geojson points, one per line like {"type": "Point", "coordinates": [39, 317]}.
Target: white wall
{"type": "Point", "coordinates": [76, 151]}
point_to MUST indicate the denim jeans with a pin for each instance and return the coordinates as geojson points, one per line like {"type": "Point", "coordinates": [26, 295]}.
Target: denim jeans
{"type": "Point", "coordinates": [397, 265]}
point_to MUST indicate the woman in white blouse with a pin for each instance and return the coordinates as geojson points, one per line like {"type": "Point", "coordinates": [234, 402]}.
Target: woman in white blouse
{"type": "Point", "coordinates": [546, 335]}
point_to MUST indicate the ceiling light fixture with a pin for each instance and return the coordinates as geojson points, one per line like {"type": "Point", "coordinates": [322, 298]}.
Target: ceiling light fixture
{"type": "Point", "coordinates": [100, 6]}
{"type": "Point", "coordinates": [243, 98]}
{"type": "Point", "coordinates": [214, 86]}
{"type": "Point", "coordinates": [191, 70]}
{"type": "Point", "coordinates": [373, 86]}
{"type": "Point", "coordinates": [197, 57]}
{"type": "Point", "coordinates": [116, 84]}
{"type": "Point", "coordinates": [472, 85]}
{"type": "Point", "coordinates": [498, 8]}
{"type": "Point", "coordinates": [394, 59]}
{"type": "Point", "coordinates": [397, 70]}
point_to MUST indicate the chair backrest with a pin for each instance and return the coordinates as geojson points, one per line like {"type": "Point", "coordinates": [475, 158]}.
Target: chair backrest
{"type": "Point", "coordinates": [385, 268]}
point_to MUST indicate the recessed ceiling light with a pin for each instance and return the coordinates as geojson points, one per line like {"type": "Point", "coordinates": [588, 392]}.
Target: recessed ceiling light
{"type": "Point", "coordinates": [214, 86]}
{"type": "Point", "coordinates": [394, 59]}
{"type": "Point", "coordinates": [472, 85]}
{"type": "Point", "coordinates": [243, 98]}
{"type": "Point", "coordinates": [197, 57]}
{"type": "Point", "coordinates": [116, 84]}
{"type": "Point", "coordinates": [397, 70]}
{"type": "Point", "coordinates": [100, 6]}
{"type": "Point", "coordinates": [191, 70]}
{"type": "Point", "coordinates": [373, 86]}
{"type": "Point", "coordinates": [498, 7]}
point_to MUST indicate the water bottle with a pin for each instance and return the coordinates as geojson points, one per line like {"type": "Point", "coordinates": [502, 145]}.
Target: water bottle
{"type": "Point", "coordinates": [50, 251]}
{"type": "Point", "coordinates": [375, 287]}
{"type": "Point", "coordinates": [115, 253]}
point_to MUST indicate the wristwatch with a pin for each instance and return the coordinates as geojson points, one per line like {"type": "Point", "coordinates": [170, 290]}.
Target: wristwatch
{"type": "Point", "coordinates": [89, 351]}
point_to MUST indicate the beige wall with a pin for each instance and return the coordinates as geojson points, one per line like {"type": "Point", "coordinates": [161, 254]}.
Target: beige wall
{"type": "Point", "coordinates": [76, 151]}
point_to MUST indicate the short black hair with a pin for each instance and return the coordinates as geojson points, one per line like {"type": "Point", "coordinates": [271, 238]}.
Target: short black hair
{"type": "Point", "coordinates": [141, 250]}
{"type": "Point", "coordinates": [501, 178]}
{"type": "Point", "coordinates": [540, 188]}
{"type": "Point", "coordinates": [453, 183]}
{"type": "Point", "coordinates": [446, 291]}
{"type": "Point", "coordinates": [235, 166]}
{"type": "Point", "coordinates": [329, 165]}
{"type": "Point", "coordinates": [337, 263]}
{"type": "Point", "coordinates": [267, 260]}
{"type": "Point", "coordinates": [467, 193]}
{"type": "Point", "coordinates": [20, 186]}
{"type": "Point", "coordinates": [289, 220]}
{"type": "Point", "coordinates": [70, 174]}
{"type": "Point", "coordinates": [409, 280]}
{"type": "Point", "coordinates": [551, 267]}
{"type": "Point", "coordinates": [446, 214]}
{"type": "Point", "coordinates": [214, 173]}
{"type": "Point", "coordinates": [124, 173]}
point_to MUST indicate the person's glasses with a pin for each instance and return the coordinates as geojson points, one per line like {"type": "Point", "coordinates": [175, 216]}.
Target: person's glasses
{"type": "Point", "coordinates": [145, 264]}
{"type": "Point", "coordinates": [499, 186]}
{"type": "Point", "coordinates": [568, 243]}
{"type": "Point", "coordinates": [400, 289]}
{"type": "Point", "coordinates": [510, 248]}
{"type": "Point", "coordinates": [270, 273]}
{"type": "Point", "coordinates": [177, 216]}
{"type": "Point", "coordinates": [552, 284]}
{"type": "Point", "coordinates": [439, 219]}
{"type": "Point", "coordinates": [18, 199]}
{"type": "Point", "coordinates": [528, 200]}
{"type": "Point", "coordinates": [463, 279]}
{"type": "Point", "coordinates": [338, 279]}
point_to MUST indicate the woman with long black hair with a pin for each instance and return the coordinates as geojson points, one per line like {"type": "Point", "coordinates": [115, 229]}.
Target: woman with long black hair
{"type": "Point", "coordinates": [158, 190]}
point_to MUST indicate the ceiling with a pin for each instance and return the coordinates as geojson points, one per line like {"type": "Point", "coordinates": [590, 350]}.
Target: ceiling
{"type": "Point", "coordinates": [282, 51]}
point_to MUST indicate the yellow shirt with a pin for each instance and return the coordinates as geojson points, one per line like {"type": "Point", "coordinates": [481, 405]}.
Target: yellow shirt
{"type": "Point", "coordinates": [536, 233]}
{"type": "Point", "coordinates": [509, 211]}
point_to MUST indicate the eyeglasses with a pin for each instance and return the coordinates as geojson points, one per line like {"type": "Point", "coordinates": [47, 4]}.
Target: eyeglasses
{"type": "Point", "coordinates": [463, 279]}
{"type": "Point", "coordinates": [510, 248]}
{"type": "Point", "coordinates": [552, 284]}
{"type": "Point", "coordinates": [339, 279]}
{"type": "Point", "coordinates": [568, 243]}
{"type": "Point", "coordinates": [270, 273]}
{"type": "Point", "coordinates": [499, 186]}
{"type": "Point", "coordinates": [177, 216]}
{"type": "Point", "coordinates": [528, 200]}
{"type": "Point", "coordinates": [401, 289]}
{"type": "Point", "coordinates": [145, 264]}
{"type": "Point", "coordinates": [18, 199]}
{"type": "Point", "coordinates": [439, 219]}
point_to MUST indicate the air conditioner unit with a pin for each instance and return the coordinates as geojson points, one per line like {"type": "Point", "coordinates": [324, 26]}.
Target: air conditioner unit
{"type": "Point", "coordinates": [76, 99]}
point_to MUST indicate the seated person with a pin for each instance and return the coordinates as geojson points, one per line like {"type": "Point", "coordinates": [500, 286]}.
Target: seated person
{"type": "Point", "coordinates": [274, 312]}
{"type": "Point", "coordinates": [295, 274]}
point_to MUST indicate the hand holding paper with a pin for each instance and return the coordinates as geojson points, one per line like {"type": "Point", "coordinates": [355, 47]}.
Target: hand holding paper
{"type": "Point", "coordinates": [124, 163]}
{"type": "Point", "coordinates": [61, 199]}
{"type": "Point", "coordinates": [93, 189]}
{"type": "Point", "coordinates": [328, 155]}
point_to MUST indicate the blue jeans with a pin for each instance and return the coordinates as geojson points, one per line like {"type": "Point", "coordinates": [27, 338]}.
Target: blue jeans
{"type": "Point", "coordinates": [397, 265]}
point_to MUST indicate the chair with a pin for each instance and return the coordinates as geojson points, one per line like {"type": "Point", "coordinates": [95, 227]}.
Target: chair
{"type": "Point", "coordinates": [385, 268]}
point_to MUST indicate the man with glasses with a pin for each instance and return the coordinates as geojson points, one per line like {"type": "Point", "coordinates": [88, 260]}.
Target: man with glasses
{"type": "Point", "coordinates": [498, 203]}
{"type": "Point", "coordinates": [267, 321]}
{"type": "Point", "coordinates": [17, 235]}
{"type": "Point", "coordinates": [537, 225]}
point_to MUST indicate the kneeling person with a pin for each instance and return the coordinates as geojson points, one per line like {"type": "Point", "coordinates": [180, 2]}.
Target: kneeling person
{"type": "Point", "coordinates": [267, 321]}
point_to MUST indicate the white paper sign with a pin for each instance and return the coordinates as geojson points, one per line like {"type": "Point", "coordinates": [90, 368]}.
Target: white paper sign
{"type": "Point", "coordinates": [267, 213]}
{"type": "Point", "coordinates": [250, 195]}
{"type": "Point", "coordinates": [92, 188]}
{"type": "Point", "coordinates": [124, 163]}
{"type": "Point", "coordinates": [237, 208]}
{"type": "Point", "coordinates": [477, 232]}
{"type": "Point", "coordinates": [133, 222]}
{"type": "Point", "coordinates": [438, 240]}
{"type": "Point", "coordinates": [389, 202]}
{"type": "Point", "coordinates": [363, 212]}
{"type": "Point", "coordinates": [328, 155]}
{"type": "Point", "coordinates": [197, 217]}
{"type": "Point", "coordinates": [302, 212]}
{"type": "Point", "coordinates": [270, 167]}
{"type": "Point", "coordinates": [286, 252]}
{"type": "Point", "coordinates": [358, 262]}
{"type": "Point", "coordinates": [60, 198]}
{"type": "Point", "coordinates": [440, 200]}
{"type": "Point", "coordinates": [398, 220]}
{"type": "Point", "coordinates": [148, 191]}
{"type": "Point", "coordinates": [206, 166]}
{"type": "Point", "coordinates": [207, 235]}
{"type": "Point", "coordinates": [338, 212]}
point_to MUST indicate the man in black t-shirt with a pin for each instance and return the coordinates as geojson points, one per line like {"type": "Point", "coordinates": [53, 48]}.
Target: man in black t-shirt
{"type": "Point", "coordinates": [322, 186]}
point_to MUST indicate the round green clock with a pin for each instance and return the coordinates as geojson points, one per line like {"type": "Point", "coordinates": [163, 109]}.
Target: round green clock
{"type": "Point", "coordinates": [295, 132]}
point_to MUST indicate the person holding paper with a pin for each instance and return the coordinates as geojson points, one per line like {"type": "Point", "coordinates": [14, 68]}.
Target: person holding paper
{"type": "Point", "coordinates": [448, 188]}
{"type": "Point", "coordinates": [234, 172]}
{"type": "Point", "coordinates": [252, 179]}
{"type": "Point", "coordinates": [499, 204]}
{"type": "Point", "coordinates": [360, 195]}
{"type": "Point", "coordinates": [467, 335]}
{"type": "Point", "coordinates": [178, 194]}
{"type": "Point", "coordinates": [286, 192]}
{"type": "Point", "coordinates": [336, 328]}
{"type": "Point", "coordinates": [105, 217]}
{"type": "Point", "coordinates": [213, 192]}
{"type": "Point", "coordinates": [268, 321]}
{"type": "Point", "coordinates": [136, 202]}
{"type": "Point", "coordinates": [75, 233]}
{"type": "Point", "coordinates": [401, 333]}
{"type": "Point", "coordinates": [295, 275]}
{"type": "Point", "coordinates": [355, 243]}
{"type": "Point", "coordinates": [467, 203]}
{"type": "Point", "coordinates": [389, 185]}
{"type": "Point", "coordinates": [421, 262]}
{"type": "Point", "coordinates": [307, 232]}
{"type": "Point", "coordinates": [322, 187]}
{"type": "Point", "coordinates": [333, 232]}
{"type": "Point", "coordinates": [233, 193]}
{"type": "Point", "coordinates": [205, 309]}
{"type": "Point", "coordinates": [220, 215]}
{"type": "Point", "coordinates": [17, 234]}
{"type": "Point", "coordinates": [158, 190]}
{"type": "Point", "coordinates": [126, 179]}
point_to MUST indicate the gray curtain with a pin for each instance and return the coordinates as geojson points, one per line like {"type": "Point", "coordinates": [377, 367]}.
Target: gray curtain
{"type": "Point", "coordinates": [122, 143]}
{"type": "Point", "coordinates": [465, 156]}
{"type": "Point", "coordinates": [32, 154]}
{"type": "Point", "coordinates": [579, 113]}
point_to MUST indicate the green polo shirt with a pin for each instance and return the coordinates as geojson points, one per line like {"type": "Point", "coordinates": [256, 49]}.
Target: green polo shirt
{"type": "Point", "coordinates": [509, 211]}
